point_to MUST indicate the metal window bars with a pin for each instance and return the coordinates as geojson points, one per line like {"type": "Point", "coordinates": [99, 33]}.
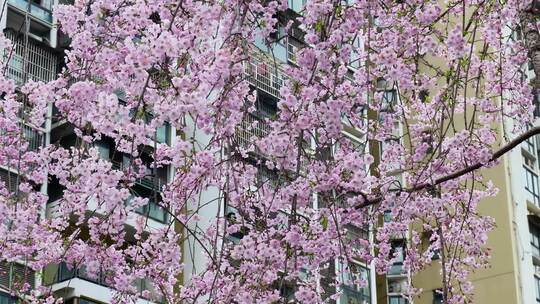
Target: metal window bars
{"type": "Point", "coordinates": [264, 76]}
{"type": "Point", "coordinates": [250, 129]}
{"type": "Point", "coordinates": [41, 66]}
{"type": "Point", "coordinates": [33, 136]}
{"type": "Point", "coordinates": [13, 275]}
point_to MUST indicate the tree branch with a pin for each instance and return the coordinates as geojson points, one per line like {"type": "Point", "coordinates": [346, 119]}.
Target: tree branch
{"type": "Point", "coordinates": [506, 148]}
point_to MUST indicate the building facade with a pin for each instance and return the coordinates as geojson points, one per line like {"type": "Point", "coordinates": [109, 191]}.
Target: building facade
{"type": "Point", "coordinates": [38, 55]}
{"type": "Point", "coordinates": [514, 273]}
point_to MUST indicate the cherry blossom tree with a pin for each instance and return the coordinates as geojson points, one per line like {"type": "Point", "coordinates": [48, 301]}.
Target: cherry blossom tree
{"type": "Point", "coordinates": [337, 152]}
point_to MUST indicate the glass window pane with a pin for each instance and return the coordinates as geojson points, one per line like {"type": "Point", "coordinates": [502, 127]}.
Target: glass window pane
{"type": "Point", "coordinates": [162, 133]}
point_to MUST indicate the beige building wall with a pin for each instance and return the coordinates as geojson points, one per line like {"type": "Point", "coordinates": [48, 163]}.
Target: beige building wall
{"type": "Point", "coordinates": [499, 282]}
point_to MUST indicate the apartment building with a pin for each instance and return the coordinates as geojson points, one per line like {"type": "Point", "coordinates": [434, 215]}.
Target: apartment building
{"type": "Point", "coordinates": [265, 73]}
{"type": "Point", "coordinates": [31, 26]}
{"type": "Point", "coordinates": [38, 55]}
{"type": "Point", "coordinates": [42, 66]}
{"type": "Point", "coordinates": [514, 273]}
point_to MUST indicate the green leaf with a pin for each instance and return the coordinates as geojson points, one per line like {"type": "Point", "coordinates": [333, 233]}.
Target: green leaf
{"type": "Point", "coordinates": [324, 222]}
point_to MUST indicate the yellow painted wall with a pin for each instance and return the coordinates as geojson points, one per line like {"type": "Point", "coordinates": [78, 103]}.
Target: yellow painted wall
{"type": "Point", "coordinates": [499, 283]}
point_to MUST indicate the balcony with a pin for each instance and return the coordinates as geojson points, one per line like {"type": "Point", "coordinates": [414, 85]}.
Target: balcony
{"type": "Point", "coordinates": [33, 136]}
{"type": "Point", "coordinates": [148, 182]}
{"type": "Point", "coordinates": [153, 210]}
{"type": "Point", "coordinates": [41, 66]}
{"type": "Point", "coordinates": [37, 11]}
{"type": "Point", "coordinates": [66, 273]}
{"type": "Point", "coordinates": [264, 76]}
{"type": "Point", "coordinates": [250, 130]}
{"type": "Point", "coordinates": [14, 275]}
{"type": "Point", "coordinates": [353, 291]}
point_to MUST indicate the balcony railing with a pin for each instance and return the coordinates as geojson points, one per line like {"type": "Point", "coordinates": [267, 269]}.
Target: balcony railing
{"type": "Point", "coordinates": [15, 275]}
{"type": "Point", "coordinates": [153, 210]}
{"type": "Point", "coordinates": [36, 10]}
{"type": "Point", "coordinates": [34, 137]}
{"type": "Point", "coordinates": [66, 273]}
{"type": "Point", "coordinates": [41, 65]}
{"type": "Point", "coordinates": [353, 295]}
{"type": "Point", "coordinates": [264, 76]}
{"type": "Point", "coordinates": [250, 129]}
{"type": "Point", "coordinates": [148, 182]}
{"type": "Point", "coordinates": [396, 269]}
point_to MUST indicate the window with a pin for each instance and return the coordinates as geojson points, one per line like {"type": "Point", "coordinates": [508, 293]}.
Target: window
{"type": "Point", "coordinates": [396, 285]}
{"type": "Point", "coordinates": [355, 284]}
{"type": "Point", "coordinates": [162, 133]}
{"type": "Point", "coordinates": [355, 233]}
{"type": "Point", "coordinates": [354, 57]}
{"type": "Point", "coordinates": [34, 137]}
{"type": "Point", "coordinates": [9, 179]}
{"type": "Point", "coordinates": [397, 300]}
{"type": "Point", "coordinates": [389, 99]}
{"type": "Point", "coordinates": [14, 275]}
{"type": "Point", "coordinates": [42, 63]}
{"type": "Point", "coordinates": [387, 216]}
{"type": "Point", "coordinates": [104, 149]}
{"type": "Point", "coordinates": [7, 299]}
{"type": "Point", "coordinates": [152, 209]}
{"type": "Point", "coordinates": [529, 146]}
{"type": "Point", "coordinates": [535, 239]}
{"type": "Point", "coordinates": [537, 287]}
{"type": "Point", "coordinates": [398, 251]}
{"type": "Point", "coordinates": [293, 46]}
{"type": "Point", "coordinates": [428, 241]}
{"type": "Point", "coordinates": [297, 5]}
{"type": "Point", "coordinates": [531, 184]}
{"type": "Point", "coordinates": [437, 297]}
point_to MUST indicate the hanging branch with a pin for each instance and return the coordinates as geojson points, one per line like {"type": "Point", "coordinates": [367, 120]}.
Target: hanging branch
{"type": "Point", "coordinates": [506, 148]}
